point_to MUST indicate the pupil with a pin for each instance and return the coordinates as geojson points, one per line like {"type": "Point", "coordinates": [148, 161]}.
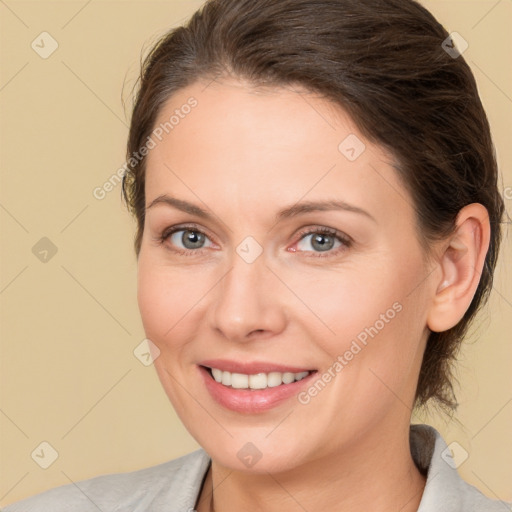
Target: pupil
{"type": "Point", "coordinates": [323, 246]}
{"type": "Point", "coordinates": [192, 239]}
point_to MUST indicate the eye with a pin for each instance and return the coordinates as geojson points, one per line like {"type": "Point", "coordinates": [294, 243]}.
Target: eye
{"type": "Point", "coordinates": [323, 240]}
{"type": "Point", "coordinates": [185, 240]}
{"type": "Point", "coordinates": [189, 241]}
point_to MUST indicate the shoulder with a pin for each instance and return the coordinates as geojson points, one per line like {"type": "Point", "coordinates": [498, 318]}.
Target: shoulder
{"type": "Point", "coordinates": [175, 482]}
{"type": "Point", "coordinates": [474, 501]}
{"type": "Point", "coordinates": [445, 489]}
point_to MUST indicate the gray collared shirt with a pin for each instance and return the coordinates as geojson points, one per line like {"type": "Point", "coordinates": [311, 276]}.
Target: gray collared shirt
{"type": "Point", "coordinates": [175, 485]}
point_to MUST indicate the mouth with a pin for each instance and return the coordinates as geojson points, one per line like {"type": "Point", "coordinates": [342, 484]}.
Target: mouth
{"type": "Point", "coordinates": [252, 388]}
{"type": "Point", "coordinates": [256, 381]}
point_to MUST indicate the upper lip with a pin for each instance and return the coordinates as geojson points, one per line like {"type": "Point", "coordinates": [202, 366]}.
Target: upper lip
{"type": "Point", "coordinates": [251, 368]}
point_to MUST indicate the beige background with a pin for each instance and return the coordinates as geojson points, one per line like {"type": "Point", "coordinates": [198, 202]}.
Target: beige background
{"type": "Point", "coordinates": [70, 325]}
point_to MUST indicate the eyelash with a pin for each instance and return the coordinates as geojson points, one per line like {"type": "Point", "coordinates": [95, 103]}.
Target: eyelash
{"type": "Point", "coordinates": [344, 239]}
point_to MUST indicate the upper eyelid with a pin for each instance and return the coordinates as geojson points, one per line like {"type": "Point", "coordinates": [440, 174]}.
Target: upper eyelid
{"type": "Point", "coordinates": [190, 227]}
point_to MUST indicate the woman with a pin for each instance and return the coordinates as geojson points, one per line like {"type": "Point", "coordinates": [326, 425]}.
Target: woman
{"type": "Point", "coordinates": [318, 222]}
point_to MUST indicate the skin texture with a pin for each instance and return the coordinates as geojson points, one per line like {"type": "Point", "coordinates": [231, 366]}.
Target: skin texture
{"type": "Point", "coordinates": [243, 154]}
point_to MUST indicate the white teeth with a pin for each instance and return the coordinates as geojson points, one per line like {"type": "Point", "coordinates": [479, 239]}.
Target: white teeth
{"type": "Point", "coordinates": [239, 381]}
{"type": "Point", "coordinates": [274, 379]}
{"type": "Point", "coordinates": [288, 378]}
{"type": "Point", "coordinates": [256, 381]}
{"type": "Point", "coordinates": [226, 378]}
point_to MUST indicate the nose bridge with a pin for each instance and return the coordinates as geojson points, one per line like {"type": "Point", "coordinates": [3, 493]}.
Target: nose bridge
{"type": "Point", "coordinates": [246, 300]}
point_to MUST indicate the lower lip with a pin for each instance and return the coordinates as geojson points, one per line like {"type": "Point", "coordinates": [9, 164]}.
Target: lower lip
{"type": "Point", "coordinates": [251, 401]}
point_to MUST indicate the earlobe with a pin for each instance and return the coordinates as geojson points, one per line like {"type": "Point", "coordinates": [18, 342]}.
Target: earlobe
{"type": "Point", "coordinates": [461, 263]}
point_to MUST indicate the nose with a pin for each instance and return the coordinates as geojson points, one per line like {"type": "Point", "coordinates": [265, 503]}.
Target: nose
{"type": "Point", "coordinates": [247, 304]}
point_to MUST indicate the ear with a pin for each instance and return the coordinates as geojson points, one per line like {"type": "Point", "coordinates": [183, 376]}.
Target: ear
{"type": "Point", "coordinates": [460, 263]}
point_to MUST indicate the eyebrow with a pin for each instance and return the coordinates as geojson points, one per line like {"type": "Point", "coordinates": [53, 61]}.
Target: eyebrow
{"type": "Point", "coordinates": [285, 213]}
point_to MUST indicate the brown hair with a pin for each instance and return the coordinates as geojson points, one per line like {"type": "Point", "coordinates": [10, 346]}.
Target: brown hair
{"type": "Point", "coordinates": [384, 63]}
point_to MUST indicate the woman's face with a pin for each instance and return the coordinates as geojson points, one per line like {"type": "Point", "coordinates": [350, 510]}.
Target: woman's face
{"type": "Point", "coordinates": [254, 285]}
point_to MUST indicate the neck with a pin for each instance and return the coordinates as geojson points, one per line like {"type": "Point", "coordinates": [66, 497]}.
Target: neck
{"type": "Point", "coordinates": [377, 474]}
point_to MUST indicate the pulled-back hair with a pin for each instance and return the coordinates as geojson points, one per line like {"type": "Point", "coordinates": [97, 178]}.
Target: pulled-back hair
{"type": "Point", "coordinates": [384, 63]}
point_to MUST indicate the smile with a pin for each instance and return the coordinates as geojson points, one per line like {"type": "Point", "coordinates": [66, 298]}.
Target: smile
{"type": "Point", "coordinates": [255, 381]}
{"type": "Point", "coordinates": [251, 388]}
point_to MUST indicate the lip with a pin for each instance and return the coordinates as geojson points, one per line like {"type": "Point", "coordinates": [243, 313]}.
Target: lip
{"type": "Point", "coordinates": [251, 368]}
{"type": "Point", "coordinates": [247, 401]}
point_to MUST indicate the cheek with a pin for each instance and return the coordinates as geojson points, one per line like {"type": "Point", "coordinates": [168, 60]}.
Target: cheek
{"type": "Point", "coordinates": [154, 302]}
{"type": "Point", "coordinates": [166, 299]}
{"type": "Point", "coordinates": [376, 317]}
{"type": "Point", "coordinates": [349, 302]}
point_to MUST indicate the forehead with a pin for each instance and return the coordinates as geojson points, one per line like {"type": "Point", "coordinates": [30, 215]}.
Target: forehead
{"type": "Point", "coordinates": [232, 116]}
{"type": "Point", "coordinates": [242, 145]}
